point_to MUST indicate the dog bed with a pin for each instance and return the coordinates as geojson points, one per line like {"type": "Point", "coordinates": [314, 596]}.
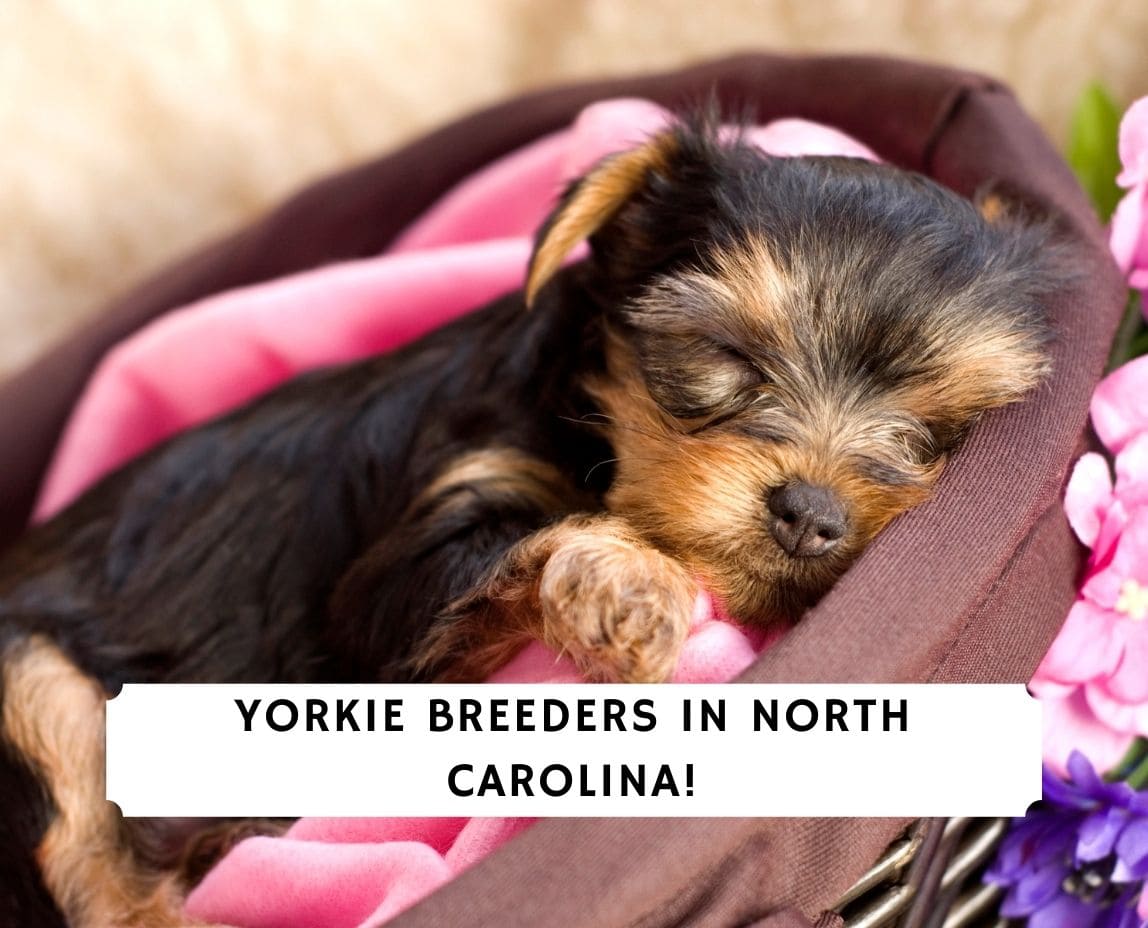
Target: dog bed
{"type": "Point", "coordinates": [971, 587]}
{"type": "Point", "coordinates": [469, 247]}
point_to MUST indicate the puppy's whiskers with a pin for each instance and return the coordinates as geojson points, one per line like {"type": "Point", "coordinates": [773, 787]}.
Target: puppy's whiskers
{"type": "Point", "coordinates": [612, 422]}
{"type": "Point", "coordinates": [590, 472]}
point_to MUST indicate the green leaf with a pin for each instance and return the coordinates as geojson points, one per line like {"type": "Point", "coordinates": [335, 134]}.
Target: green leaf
{"type": "Point", "coordinates": [1139, 344]}
{"type": "Point", "coordinates": [1092, 147]}
{"type": "Point", "coordinates": [1136, 755]}
{"type": "Point", "coordinates": [1131, 337]}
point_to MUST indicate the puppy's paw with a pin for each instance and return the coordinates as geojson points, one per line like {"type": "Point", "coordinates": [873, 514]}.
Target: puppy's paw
{"type": "Point", "coordinates": [621, 611]}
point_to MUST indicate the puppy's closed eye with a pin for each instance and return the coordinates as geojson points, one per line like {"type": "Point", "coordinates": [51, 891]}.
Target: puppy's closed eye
{"type": "Point", "coordinates": [693, 377]}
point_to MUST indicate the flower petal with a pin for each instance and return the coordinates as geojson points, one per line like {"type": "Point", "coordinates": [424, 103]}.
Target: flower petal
{"type": "Point", "coordinates": [1070, 723]}
{"type": "Point", "coordinates": [1132, 470]}
{"type": "Point", "coordinates": [1118, 408]}
{"type": "Point", "coordinates": [1034, 891]}
{"type": "Point", "coordinates": [1122, 913]}
{"type": "Point", "coordinates": [1104, 549]}
{"type": "Point", "coordinates": [1048, 690]}
{"type": "Point", "coordinates": [1130, 559]}
{"type": "Point", "coordinates": [1098, 834]}
{"type": "Point", "coordinates": [1082, 774]}
{"type": "Point", "coordinates": [1128, 234]}
{"type": "Point", "coordinates": [1064, 912]}
{"type": "Point", "coordinates": [1133, 144]}
{"type": "Point", "coordinates": [1127, 720]}
{"type": "Point", "coordinates": [1085, 648]}
{"type": "Point", "coordinates": [1132, 848]}
{"type": "Point", "coordinates": [1129, 682]}
{"type": "Point", "coordinates": [1031, 843]}
{"type": "Point", "coordinates": [1087, 496]}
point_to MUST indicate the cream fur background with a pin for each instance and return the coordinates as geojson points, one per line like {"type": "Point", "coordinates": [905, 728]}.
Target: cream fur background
{"type": "Point", "coordinates": [131, 130]}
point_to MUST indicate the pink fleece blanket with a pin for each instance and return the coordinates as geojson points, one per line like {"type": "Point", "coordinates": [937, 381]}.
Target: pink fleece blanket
{"type": "Point", "coordinates": [207, 358]}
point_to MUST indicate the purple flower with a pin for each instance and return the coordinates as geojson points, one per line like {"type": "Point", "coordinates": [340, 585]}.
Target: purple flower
{"type": "Point", "coordinates": [1079, 858]}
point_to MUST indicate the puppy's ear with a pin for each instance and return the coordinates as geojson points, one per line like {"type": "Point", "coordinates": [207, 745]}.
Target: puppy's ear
{"type": "Point", "coordinates": [992, 349]}
{"type": "Point", "coordinates": [1004, 207]}
{"type": "Point", "coordinates": [593, 201]}
{"type": "Point", "coordinates": [993, 206]}
{"type": "Point", "coordinates": [998, 366]}
{"type": "Point", "coordinates": [989, 342]}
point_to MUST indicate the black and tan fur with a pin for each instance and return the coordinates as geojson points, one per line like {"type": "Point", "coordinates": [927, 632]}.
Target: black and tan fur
{"type": "Point", "coordinates": [566, 472]}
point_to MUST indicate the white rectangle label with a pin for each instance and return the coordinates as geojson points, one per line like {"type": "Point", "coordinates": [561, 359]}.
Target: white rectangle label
{"type": "Point", "coordinates": [570, 750]}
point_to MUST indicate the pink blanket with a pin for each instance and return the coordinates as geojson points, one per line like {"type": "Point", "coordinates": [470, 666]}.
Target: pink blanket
{"type": "Point", "coordinates": [204, 359]}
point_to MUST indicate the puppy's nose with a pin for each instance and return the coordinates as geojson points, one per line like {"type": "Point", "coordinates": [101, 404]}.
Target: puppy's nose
{"type": "Point", "coordinates": [806, 520]}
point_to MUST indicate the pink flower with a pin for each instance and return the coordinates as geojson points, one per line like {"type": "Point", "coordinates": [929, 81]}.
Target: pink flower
{"type": "Point", "coordinates": [1094, 679]}
{"type": "Point", "coordinates": [1069, 724]}
{"type": "Point", "coordinates": [1129, 235]}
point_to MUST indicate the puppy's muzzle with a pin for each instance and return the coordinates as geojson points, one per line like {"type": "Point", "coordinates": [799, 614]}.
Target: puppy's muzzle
{"type": "Point", "coordinates": [805, 519]}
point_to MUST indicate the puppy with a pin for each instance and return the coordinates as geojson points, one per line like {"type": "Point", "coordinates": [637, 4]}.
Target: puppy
{"type": "Point", "coordinates": [761, 364]}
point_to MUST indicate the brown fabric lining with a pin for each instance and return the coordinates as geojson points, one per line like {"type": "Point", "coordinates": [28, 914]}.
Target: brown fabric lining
{"type": "Point", "coordinates": [1048, 557]}
{"type": "Point", "coordinates": [971, 586]}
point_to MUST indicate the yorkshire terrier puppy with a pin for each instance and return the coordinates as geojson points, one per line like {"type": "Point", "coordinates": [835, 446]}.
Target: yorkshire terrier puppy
{"type": "Point", "coordinates": [763, 362]}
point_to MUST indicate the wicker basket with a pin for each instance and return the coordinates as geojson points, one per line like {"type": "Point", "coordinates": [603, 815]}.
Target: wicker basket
{"type": "Point", "coordinates": [915, 608]}
{"type": "Point", "coordinates": [930, 877]}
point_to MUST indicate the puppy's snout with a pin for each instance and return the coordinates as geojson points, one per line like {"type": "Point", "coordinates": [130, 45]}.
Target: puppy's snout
{"type": "Point", "coordinates": [806, 520]}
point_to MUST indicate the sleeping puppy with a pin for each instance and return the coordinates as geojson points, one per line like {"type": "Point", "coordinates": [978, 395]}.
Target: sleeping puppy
{"type": "Point", "coordinates": [761, 364]}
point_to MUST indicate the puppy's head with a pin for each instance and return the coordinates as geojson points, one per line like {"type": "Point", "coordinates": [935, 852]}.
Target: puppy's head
{"type": "Point", "coordinates": [794, 347]}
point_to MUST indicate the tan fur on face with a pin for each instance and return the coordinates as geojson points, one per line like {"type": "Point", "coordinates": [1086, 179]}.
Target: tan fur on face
{"type": "Point", "coordinates": [754, 293]}
{"type": "Point", "coordinates": [701, 497]}
{"type": "Point", "coordinates": [595, 200]}
{"type": "Point", "coordinates": [793, 374]}
{"type": "Point", "coordinates": [993, 369]}
{"type": "Point", "coordinates": [759, 306]}
{"type": "Point", "coordinates": [54, 716]}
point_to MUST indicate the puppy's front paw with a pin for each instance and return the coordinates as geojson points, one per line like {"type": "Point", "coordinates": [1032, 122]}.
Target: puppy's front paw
{"type": "Point", "coordinates": [621, 611]}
